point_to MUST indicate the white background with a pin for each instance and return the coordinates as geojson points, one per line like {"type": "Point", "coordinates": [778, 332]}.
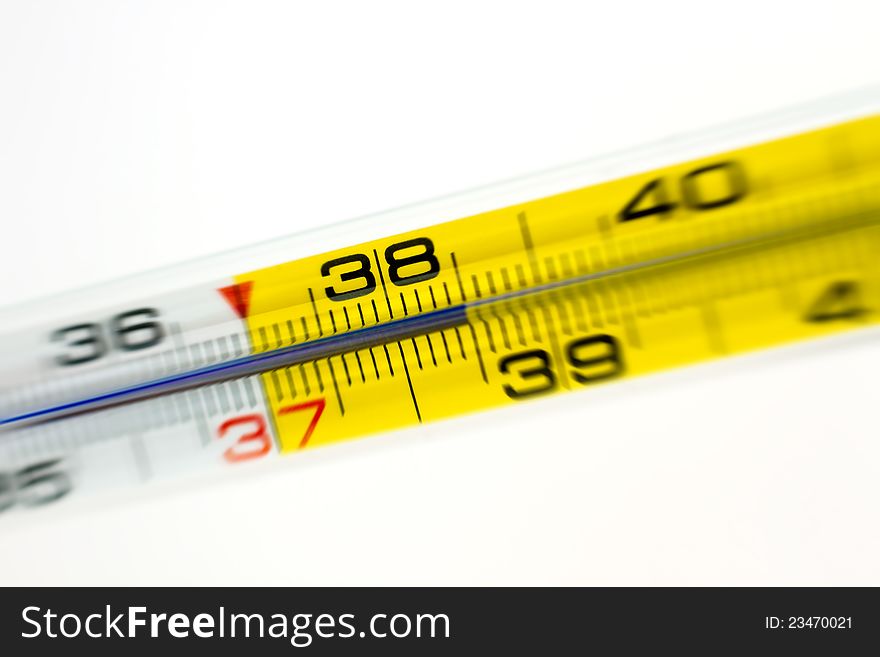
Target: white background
{"type": "Point", "coordinates": [135, 135]}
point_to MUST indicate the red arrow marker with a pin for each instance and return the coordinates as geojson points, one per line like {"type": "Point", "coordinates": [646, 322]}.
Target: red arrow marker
{"type": "Point", "coordinates": [238, 296]}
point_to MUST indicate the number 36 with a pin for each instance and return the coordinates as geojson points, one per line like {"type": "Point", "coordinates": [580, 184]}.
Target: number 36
{"type": "Point", "coordinates": [129, 331]}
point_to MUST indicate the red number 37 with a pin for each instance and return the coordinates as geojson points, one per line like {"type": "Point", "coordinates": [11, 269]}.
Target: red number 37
{"type": "Point", "coordinates": [254, 440]}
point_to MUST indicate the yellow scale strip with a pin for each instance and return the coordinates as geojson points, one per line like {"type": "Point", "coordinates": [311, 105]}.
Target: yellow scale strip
{"type": "Point", "coordinates": [616, 326]}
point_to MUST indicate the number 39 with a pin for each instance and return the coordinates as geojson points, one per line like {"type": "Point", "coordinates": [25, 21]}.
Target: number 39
{"type": "Point", "coordinates": [593, 358]}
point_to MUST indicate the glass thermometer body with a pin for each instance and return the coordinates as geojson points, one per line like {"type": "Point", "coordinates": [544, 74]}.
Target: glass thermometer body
{"type": "Point", "coordinates": [748, 237]}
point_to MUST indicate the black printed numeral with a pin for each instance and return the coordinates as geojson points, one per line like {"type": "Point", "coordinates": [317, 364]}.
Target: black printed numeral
{"type": "Point", "coordinates": [35, 485]}
{"type": "Point", "coordinates": [532, 366]}
{"type": "Point", "coordinates": [129, 331]}
{"type": "Point", "coordinates": [84, 343]}
{"type": "Point", "coordinates": [840, 300]}
{"type": "Point", "coordinates": [421, 258]}
{"type": "Point", "coordinates": [654, 197]}
{"type": "Point", "coordinates": [409, 262]}
{"type": "Point", "coordinates": [362, 272]}
{"type": "Point", "coordinates": [591, 359]}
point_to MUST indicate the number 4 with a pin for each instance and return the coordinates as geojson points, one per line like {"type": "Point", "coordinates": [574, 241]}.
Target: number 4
{"type": "Point", "coordinates": [840, 300]}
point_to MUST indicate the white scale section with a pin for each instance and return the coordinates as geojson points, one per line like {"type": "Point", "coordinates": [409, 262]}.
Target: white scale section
{"type": "Point", "coordinates": [216, 426]}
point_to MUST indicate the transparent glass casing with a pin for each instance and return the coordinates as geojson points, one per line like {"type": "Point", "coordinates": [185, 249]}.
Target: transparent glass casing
{"type": "Point", "coordinates": [81, 408]}
{"type": "Point", "coordinates": [202, 271]}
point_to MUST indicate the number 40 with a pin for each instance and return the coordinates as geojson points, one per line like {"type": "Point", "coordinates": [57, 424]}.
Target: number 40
{"type": "Point", "coordinates": [655, 199]}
